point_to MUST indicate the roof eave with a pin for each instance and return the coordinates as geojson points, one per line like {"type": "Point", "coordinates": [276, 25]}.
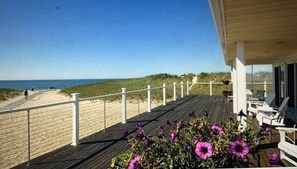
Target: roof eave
{"type": "Point", "coordinates": [217, 10]}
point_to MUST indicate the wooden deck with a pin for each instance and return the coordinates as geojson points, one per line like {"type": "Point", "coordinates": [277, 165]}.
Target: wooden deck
{"type": "Point", "coordinates": [97, 150]}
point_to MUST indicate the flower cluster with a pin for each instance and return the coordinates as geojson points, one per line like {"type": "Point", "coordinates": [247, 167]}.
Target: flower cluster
{"type": "Point", "coordinates": [192, 144]}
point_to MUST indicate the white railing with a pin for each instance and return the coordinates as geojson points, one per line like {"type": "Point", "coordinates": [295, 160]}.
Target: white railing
{"type": "Point", "coordinates": [211, 84]}
{"type": "Point", "coordinates": [80, 108]}
{"type": "Point", "coordinates": [89, 115]}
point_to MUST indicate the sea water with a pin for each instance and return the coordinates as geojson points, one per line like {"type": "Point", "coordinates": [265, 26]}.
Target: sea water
{"type": "Point", "coordinates": [46, 84]}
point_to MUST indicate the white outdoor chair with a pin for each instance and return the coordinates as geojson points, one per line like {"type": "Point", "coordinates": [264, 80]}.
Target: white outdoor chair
{"type": "Point", "coordinates": [287, 145]}
{"type": "Point", "coordinates": [253, 102]}
{"type": "Point", "coordinates": [253, 105]}
{"type": "Point", "coordinates": [274, 120]}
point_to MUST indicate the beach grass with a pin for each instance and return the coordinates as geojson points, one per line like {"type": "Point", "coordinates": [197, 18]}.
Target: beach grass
{"type": "Point", "coordinates": [6, 93]}
{"type": "Point", "coordinates": [109, 87]}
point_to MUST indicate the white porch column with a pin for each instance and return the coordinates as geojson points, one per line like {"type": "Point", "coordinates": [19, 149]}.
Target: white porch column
{"type": "Point", "coordinates": [240, 80]}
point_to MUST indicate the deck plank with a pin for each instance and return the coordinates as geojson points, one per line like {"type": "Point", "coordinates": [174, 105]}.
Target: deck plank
{"type": "Point", "coordinates": [97, 150]}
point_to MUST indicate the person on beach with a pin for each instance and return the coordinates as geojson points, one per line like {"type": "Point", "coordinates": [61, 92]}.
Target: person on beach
{"type": "Point", "coordinates": [26, 94]}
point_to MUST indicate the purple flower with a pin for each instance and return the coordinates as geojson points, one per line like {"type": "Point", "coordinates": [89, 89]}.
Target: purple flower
{"type": "Point", "coordinates": [264, 128]}
{"type": "Point", "coordinates": [216, 130]}
{"type": "Point", "coordinates": [239, 149]}
{"type": "Point", "coordinates": [204, 150]}
{"type": "Point", "coordinates": [206, 113]}
{"type": "Point", "coordinates": [188, 148]}
{"type": "Point", "coordinates": [192, 114]}
{"type": "Point", "coordinates": [168, 122]}
{"type": "Point", "coordinates": [254, 115]}
{"type": "Point", "coordinates": [139, 135]}
{"type": "Point", "coordinates": [162, 126]}
{"type": "Point", "coordinates": [179, 125]}
{"type": "Point", "coordinates": [147, 142]}
{"type": "Point", "coordinates": [125, 133]}
{"type": "Point", "coordinates": [172, 135]}
{"type": "Point", "coordinates": [138, 126]}
{"type": "Point", "coordinates": [232, 138]}
{"type": "Point", "coordinates": [160, 134]}
{"type": "Point", "coordinates": [241, 113]}
{"type": "Point", "coordinates": [134, 162]}
{"type": "Point", "coordinates": [274, 159]}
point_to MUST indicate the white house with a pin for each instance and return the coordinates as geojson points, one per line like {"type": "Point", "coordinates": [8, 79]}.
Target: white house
{"type": "Point", "coordinates": [259, 32]}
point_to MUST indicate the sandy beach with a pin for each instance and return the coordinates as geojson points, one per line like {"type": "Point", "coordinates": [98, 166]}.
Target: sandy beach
{"type": "Point", "coordinates": [51, 127]}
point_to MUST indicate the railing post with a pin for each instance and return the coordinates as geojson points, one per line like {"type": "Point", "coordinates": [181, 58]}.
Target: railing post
{"type": "Point", "coordinates": [29, 138]}
{"type": "Point", "coordinates": [124, 106]}
{"type": "Point", "coordinates": [174, 91]}
{"type": "Point", "coordinates": [75, 119]}
{"type": "Point", "coordinates": [104, 111]}
{"type": "Point", "coordinates": [265, 88]}
{"type": "Point", "coordinates": [181, 89]}
{"type": "Point", "coordinates": [148, 98]}
{"type": "Point", "coordinates": [164, 94]}
{"type": "Point", "coordinates": [188, 88]}
{"type": "Point", "coordinates": [210, 88]}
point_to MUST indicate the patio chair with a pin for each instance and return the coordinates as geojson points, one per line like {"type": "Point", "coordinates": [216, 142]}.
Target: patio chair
{"type": "Point", "coordinates": [287, 145]}
{"type": "Point", "coordinates": [273, 120]}
{"type": "Point", "coordinates": [260, 94]}
{"type": "Point", "coordinates": [253, 106]}
{"type": "Point", "coordinates": [267, 101]}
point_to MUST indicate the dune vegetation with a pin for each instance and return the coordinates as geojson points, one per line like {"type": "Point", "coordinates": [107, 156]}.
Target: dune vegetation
{"type": "Point", "coordinates": [109, 87]}
{"type": "Point", "coordinates": [6, 94]}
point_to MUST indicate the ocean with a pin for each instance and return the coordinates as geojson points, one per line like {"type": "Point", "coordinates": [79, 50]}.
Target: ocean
{"type": "Point", "coordinates": [46, 84]}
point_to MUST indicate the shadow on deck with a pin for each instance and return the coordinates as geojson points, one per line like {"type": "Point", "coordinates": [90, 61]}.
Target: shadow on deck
{"type": "Point", "coordinates": [97, 150]}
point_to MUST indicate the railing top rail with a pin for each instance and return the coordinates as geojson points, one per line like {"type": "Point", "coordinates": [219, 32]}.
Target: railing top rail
{"type": "Point", "coordinates": [35, 107]}
{"type": "Point", "coordinates": [135, 91]}
{"type": "Point", "coordinates": [100, 97]}
{"type": "Point", "coordinates": [157, 87]}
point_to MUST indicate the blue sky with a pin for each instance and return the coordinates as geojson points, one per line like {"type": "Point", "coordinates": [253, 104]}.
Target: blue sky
{"type": "Point", "coordinates": [67, 39]}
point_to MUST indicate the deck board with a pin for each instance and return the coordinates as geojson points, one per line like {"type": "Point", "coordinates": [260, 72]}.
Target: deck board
{"type": "Point", "coordinates": [97, 150]}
